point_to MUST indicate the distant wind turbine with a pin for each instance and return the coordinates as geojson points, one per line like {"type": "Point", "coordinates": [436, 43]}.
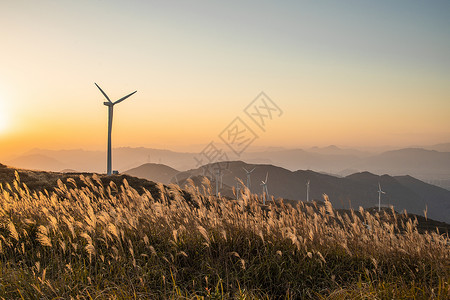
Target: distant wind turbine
{"type": "Point", "coordinates": [238, 189]}
{"type": "Point", "coordinates": [110, 105]}
{"type": "Point", "coordinates": [248, 177]}
{"type": "Point", "coordinates": [265, 191]}
{"type": "Point", "coordinates": [379, 196]}
{"type": "Point", "coordinates": [307, 191]}
{"type": "Point", "coordinates": [218, 177]}
{"type": "Point", "coordinates": [221, 180]}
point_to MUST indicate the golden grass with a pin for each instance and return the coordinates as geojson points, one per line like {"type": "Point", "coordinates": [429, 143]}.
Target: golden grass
{"type": "Point", "coordinates": [113, 242]}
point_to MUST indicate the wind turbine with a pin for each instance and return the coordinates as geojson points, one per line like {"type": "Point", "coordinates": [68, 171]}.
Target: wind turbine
{"type": "Point", "coordinates": [221, 176]}
{"type": "Point", "coordinates": [221, 180]}
{"type": "Point", "coordinates": [307, 191]}
{"type": "Point", "coordinates": [248, 177]}
{"type": "Point", "coordinates": [265, 191]}
{"type": "Point", "coordinates": [238, 189]}
{"type": "Point", "coordinates": [110, 105]}
{"type": "Point", "coordinates": [379, 196]}
{"type": "Point", "coordinates": [218, 176]}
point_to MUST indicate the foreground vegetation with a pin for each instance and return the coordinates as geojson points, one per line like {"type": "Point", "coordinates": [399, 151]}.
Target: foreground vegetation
{"type": "Point", "coordinates": [100, 242]}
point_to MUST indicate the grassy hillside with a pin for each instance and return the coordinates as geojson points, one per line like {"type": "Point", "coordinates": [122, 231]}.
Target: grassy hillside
{"type": "Point", "coordinates": [94, 240]}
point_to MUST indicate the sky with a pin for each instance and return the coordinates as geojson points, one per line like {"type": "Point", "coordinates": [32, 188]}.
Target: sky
{"type": "Point", "coordinates": [348, 73]}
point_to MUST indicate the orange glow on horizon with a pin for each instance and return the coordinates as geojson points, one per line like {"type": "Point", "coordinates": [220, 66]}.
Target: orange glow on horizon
{"type": "Point", "coordinates": [340, 76]}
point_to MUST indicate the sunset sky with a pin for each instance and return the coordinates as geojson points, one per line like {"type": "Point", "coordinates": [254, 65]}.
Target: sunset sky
{"type": "Point", "coordinates": [349, 73]}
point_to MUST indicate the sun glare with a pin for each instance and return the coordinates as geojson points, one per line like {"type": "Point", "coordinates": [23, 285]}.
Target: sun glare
{"type": "Point", "coordinates": [3, 117]}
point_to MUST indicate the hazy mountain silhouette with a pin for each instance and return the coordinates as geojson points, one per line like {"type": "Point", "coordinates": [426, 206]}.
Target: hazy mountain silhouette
{"type": "Point", "coordinates": [428, 165]}
{"type": "Point", "coordinates": [295, 159]}
{"type": "Point", "coordinates": [77, 159]}
{"type": "Point", "coordinates": [153, 172]}
{"type": "Point", "coordinates": [37, 162]}
{"type": "Point", "coordinates": [425, 164]}
{"type": "Point", "coordinates": [95, 161]}
{"type": "Point", "coordinates": [360, 189]}
{"type": "Point", "coordinates": [445, 147]}
{"type": "Point", "coordinates": [335, 150]}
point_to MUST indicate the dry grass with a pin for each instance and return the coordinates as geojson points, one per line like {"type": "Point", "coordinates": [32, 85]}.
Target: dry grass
{"type": "Point", "coordinates": [101, 242]}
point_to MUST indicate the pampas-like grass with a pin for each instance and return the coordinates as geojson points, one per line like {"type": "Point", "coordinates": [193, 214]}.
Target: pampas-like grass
{"type": "Point", "coordinates": [108, 240]}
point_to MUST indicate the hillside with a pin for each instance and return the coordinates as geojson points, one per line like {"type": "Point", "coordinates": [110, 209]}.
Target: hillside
{"type": "Point", "coordinates": [40, 181]}
{"type": "Point", "coordinates": [359, 189]}
{"type": "Point", "coordinates": [155, 172]}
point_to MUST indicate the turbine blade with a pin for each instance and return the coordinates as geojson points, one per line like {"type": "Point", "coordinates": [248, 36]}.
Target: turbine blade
{"type": "Point", "coordinates": [245, 169]}
{"type": "Point", "coordinates": [104, 94]}
{"type": "Point", "coordinates": [123, 98]}
{"type": "Point", "coordinates": [267, 176]}
{"type": "Point", "coordinates": [253, 169]}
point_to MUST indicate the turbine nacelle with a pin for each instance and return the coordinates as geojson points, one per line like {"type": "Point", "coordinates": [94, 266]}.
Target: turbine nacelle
{"type": "Point", "coordinates": [380, 191]}
{"type": "Point", "coordinates": [248, 176]}
{"type": "Point", "coordinates": [109, 102]}
{"type": "Point", "coordinates": [247, 171]}
{"type": "Point", "coordinates": [264, 182]}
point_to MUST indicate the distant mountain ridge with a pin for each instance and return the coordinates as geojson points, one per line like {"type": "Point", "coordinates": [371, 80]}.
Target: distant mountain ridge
{"type": "Point", "coordinates": [36, 161]}
{"type": "Point", "coordinates": [153, 172]}
{"type": "Point", "coordinates": [124, 158]}
{"type": "Point", "coordinates": [408, 161]}
{"type": "Point", "coordinates": [359, 189]}
{"type": "Point", "coordinates": [428, 165]}
{"type": "Point", "coordinates": [444, 147]}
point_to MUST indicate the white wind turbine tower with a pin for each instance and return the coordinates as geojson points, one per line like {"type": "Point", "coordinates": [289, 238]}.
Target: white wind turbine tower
{"type": "Point", "coordinates": [265, 191]}
{"type": "Point", "coordinates": [307, 191]}
{"type": "Point", "coordinates": [379, 196]}
{"type": "Point", "coordinates": [218, 176]}
{"type": "Point", "coordinates": [221, 176]}
{"type": "Point", "coordinates": [221, 180]}
{"type": "Point", "coordinates": [238, 189]}
{"type": "Point", "coordinates": [110, 105]}
{"type": "Point", "coordinates": [248, 177]}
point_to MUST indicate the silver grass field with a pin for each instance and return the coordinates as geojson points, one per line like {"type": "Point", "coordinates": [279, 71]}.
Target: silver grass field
{"type": "Point", "coordinates": [114, 242]}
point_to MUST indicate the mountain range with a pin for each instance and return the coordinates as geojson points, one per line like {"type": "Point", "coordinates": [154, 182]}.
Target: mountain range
{"type": "Point", "coordinates": [352, 191]}
{"type": "Point", "coordinates": [41, 181]}
{"type": "Point", "coordinates": [358, 189]}
{"type": "Point", "coordinates": [429, 165]}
